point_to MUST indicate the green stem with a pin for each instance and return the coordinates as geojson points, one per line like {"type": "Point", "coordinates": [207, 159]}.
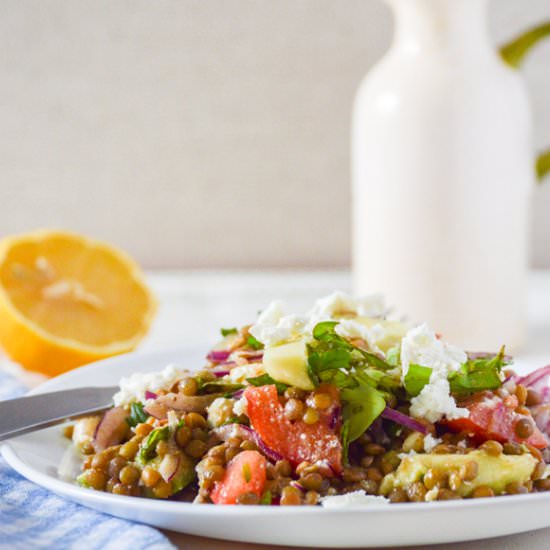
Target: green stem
{"type": "Point", "coordinates": [515, 51]}
{"type": "Point", "coordinates": [543, 164]}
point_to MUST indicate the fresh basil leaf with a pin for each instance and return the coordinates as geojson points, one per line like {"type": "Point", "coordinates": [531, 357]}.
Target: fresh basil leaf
{"type": "Point", "coordinates": [362, 405]}
{"type": "Point", "coordinates": [228, 331]}
{"type": "Point", "coordinates": [215, 386]}
{"type": "Point", "coordinates": [416, 378]}
{"type": "Point", "coordinates": [254, 343]}
{"type": "Point", "coordinates": [147, 449]}
{"type": "Point", "coordinates": [137, 415]}
{"type": "Point", "coordinates": [266, 380]}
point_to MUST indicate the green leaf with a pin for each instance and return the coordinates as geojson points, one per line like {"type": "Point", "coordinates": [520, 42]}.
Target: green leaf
{"type": "Point", "coordinates": [325, 331]}
{"type": "Point", "coordinates": [218, 386]}
{"type": "Point", "coordinates": [515, 51]}
{"type": "Point", "coordinates": [247, 474]}
{"type": "Point", "coordinates": [344, 436]}
{"type": "Point", "coordinates": [416, 378]}
{"type": "Point", "coordinates": [137, 415]}
{"type": "Point", "coordinates": [362, 405]}
{"type": "Point", "coordinates": [147, 449]}
{"type": "Point", "coordinates": [254, 343]}
{"type": "Point", "coordinates": [478, 374]}
{"type": "Point", "coordinates": [228, 331]}
{"type": "Point", "coordinates": [393, 356]}
{"type": "Point", "coordinates": [266, 380]}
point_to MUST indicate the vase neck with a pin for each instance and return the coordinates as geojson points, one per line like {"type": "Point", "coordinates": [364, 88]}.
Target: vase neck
{"type": "Point", "coordinates": [453, 26]}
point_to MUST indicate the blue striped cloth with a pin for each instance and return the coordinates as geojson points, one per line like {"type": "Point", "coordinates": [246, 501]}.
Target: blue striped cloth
{"type": "Point", "coordinates": [32, 517]}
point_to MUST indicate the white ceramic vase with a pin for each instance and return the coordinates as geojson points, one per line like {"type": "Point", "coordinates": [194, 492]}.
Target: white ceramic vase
{"type": "Point", "coordinates": [442, 171]}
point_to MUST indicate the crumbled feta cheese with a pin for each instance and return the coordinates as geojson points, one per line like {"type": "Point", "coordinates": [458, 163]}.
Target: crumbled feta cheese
{"type": "Point", "coordinates": [340, 303]}
{"type": "Point", "coordinates": [420, 346]}
{"type": "Point", "coordinates": [133, 388]}
{"type": "Point", "coordinates": [220, 411]}
{"type": "Point", "coordinates": [238, 375]}
{"type": "Point", "coordinates": [274, 327]}
{"type": "Point", "coordinates": [240, 407]}
{"type": "Point", "coordinates": [352, 500]}
{"type": "Point", "coordinates": [430, 442]}
{"type": "Point", "coordinates": [348, 328]}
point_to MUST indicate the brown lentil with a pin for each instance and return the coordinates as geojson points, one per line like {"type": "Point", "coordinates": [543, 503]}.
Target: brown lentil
{"type": "Point", "coordinates": [311, 416]}
{"type": "Point", "coordinates": [433, 478]}
{"type": "Point", "coordinates": [313, 481]}
{"type": "Point", "coordinates": [290, 496]}
{"type": "Point", "coordinates": [189, 386]}
{"type": "Point", "coordinates": [414, 442]}
{"type": "Point", "coordinates": [195, 420]}
{"type": "Point", "coordinates": [374, 449]}
{"type": "Point", "coordinates": [416, 492]}
{"type": "Point", "coordinates": [455, 481]}
{"type": "Point", "coordinates": [523, 411]}
{"type": "Point", "coordinates": [149, 476]}
{"type": "Point", "coordinates": [129, 449]}
{"type": "Point", "coordinates": [183, 436]}
{"type": "Point", "coordinates": [196, 448]}
{"type": "Point", "coordinates": [162, 448]}
{"type": "Point", "coordinates": [248, 445]}
{"type": "Point", "coordinates": [521, 394]}
{"type": "Point", "coordinates": [366, 461]}
{"type": "Point", "coordinates": [294, 409]}
{"type": "Point", "coordinates": [283, 468]}
{"type": "Point", "coordinates": [447, 494]}
{"type": "Point", "coordinates": [374, 474]}
{"type": "Point", "coordinates": [129, 475]}
{"type": "Point", "coordinates": [294, 393]}
{"type": "Point", "coordinates": [199, 433]}
{"type": "Point", "coordinates": [100, 460]}
{"type": "Point", "coordinates": [543, 484]}
{"type": "Point", "coordinates": [115, 466]}
{"type": "Point", "coordinates": [369, 486]}
{"type": "Point", "coordinates": [398, 495]}
{"type": "Point", "coordinates": [95, 478]}
{"type": "Point", "coordinates": [162, 489]}
{"type": "Point", "coordinates": [512, 448]}
{"type": "Point", "coordinates": [537, 453]}
{"type": "Point", "coordinates": [248, 498]}
{"type": "Point", "coordinates": [492, 448]}
{"type": "Point", "coordinates": [214, 472]}
{"type": "Point", "coordinates": [143, 429]}
{"type": "Point", "coordinates": [322, 401]}
{"type": "Point", "coordinates": [121, 489]}
{"type": "Point", "coordinates": [470, 470]}
{"type": "Point", "coordinates": [311, 498]}
{"type": "Point", "coordinates": [515, 488]}
{"type": "Point", "coordinates": [523, 428]}
{"type": "Point", "coordinates": [483, 491]}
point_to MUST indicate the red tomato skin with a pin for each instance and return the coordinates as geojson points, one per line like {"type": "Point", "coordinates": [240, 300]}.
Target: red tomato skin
{"type": "Point", "coordinates": [296, 441]}
{"type": "Point", "coordinates": [234, 482]}
{"type": "Point", "coordinates": [494, 418]}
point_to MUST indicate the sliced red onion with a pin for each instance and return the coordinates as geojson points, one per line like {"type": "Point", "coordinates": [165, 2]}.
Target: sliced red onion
{"type": "Point", "coordinates": [111, 429]}
{"type": "Point", "coordinates": [238, 394]}
{"type": "Point", "coordinates": [404, 420]}
{"type": "Point", "coordinates": [220, 373]}
{"type": "Point", "coordinates": [246, 432]}
{"type": "Point", "coordinates": [179, 402]}
{"type": "Point", "coordinates": [536, 380]}
{"type": "Point", "coordinates": [218, 355]}
{"type": "Point", "coordinates": [169, 466]}
{"type": "Point", "coordinates": [251, 356]}
{"type": "Point", "coordinates": [150, 395]}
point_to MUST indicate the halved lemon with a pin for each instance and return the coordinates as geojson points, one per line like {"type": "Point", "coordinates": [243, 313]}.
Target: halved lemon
{"type": "Point", "coordinates": [66, 300]}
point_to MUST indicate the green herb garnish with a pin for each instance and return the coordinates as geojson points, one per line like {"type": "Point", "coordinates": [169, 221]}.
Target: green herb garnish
{"type": "Point", "coordinates": [478, 374]}
{"type": "Point", "coordinates": [416, 378]}
{"type": "Point", "coordinates": [147, 449]}
{"type": "Point", "coordinates": [266, 498]}
{"type": "Point", "coordinates": [266, 380]}
{"type": "Point", "coordinates": [254, 343]}
{"type": "Point", "coordinates": [137, 415]}
{"type": "Point", "coordinates": [247, 474]}
{"type": "Point", "coordinates": [228, 331]}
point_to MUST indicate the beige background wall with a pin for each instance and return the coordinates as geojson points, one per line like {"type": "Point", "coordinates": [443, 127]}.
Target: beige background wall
{"type": "Point", "coordinates": [202, 133]}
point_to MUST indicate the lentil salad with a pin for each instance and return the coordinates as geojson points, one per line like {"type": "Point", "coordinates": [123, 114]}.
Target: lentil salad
{"type": "Point", "coordinates": [342, 403]}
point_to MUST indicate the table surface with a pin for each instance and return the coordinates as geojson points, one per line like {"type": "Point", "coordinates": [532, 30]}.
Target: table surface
{"type": "Point", "coordinates": [193, 305]}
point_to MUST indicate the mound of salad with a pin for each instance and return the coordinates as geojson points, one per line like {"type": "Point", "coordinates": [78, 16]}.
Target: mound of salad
{"type": "Point", "coordinates": [340, 407]}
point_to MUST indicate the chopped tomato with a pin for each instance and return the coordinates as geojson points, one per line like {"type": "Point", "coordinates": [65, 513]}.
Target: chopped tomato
{"type": "Point", "coordinates": [244, 474]}
{"type": "Point", "coordinates": [296, 441]}
{"type": "Point", "coordinates": [492, 417]}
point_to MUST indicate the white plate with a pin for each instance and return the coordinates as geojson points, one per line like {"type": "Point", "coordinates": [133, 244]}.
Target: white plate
{"type": "Point", "coordinates": [38, 455]}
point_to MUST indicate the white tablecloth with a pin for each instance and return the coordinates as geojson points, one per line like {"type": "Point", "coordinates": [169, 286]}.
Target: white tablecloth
{"type": "Point", "coordinates": [194, 305]}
